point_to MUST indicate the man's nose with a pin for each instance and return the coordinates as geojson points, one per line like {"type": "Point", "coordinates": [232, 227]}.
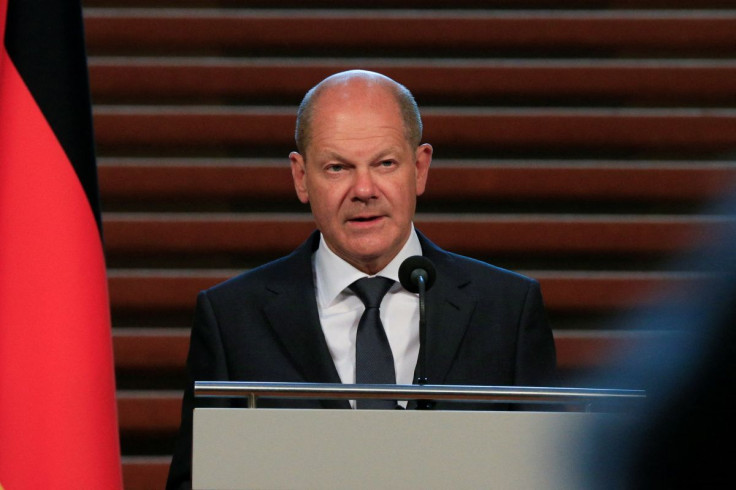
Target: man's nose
{"type": "Point", "coordinates": [364, 184]}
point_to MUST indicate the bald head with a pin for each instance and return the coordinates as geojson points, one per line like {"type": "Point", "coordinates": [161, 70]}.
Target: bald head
{"type": "Point", "coordinates": [341, 86]}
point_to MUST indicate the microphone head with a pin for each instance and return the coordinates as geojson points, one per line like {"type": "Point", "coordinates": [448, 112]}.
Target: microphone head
{"type": "Point", "coordinates": [412, 268]}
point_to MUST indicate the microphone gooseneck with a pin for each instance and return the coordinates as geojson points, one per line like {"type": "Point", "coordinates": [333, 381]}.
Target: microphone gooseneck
{"type": "Point", "coordinates": [417, 274]}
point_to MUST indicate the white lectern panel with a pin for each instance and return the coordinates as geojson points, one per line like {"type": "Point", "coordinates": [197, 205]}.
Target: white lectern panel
{"type": "Point", "coordinates": [238, 449]}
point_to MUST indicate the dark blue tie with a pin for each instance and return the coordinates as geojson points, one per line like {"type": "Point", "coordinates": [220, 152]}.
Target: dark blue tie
{"type": "Point", "coordinates": [374, 363]}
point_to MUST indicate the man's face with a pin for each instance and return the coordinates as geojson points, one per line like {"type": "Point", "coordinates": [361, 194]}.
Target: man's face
{"type": "Point", "coordinates": [361, 176]}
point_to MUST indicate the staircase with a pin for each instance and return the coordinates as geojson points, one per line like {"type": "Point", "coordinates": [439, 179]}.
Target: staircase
{"type": "Point", "coordinates": [576, 141]}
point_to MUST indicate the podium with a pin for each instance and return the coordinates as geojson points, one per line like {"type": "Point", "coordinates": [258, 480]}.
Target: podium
{"type": "Point", "coordinates": [250, 448]}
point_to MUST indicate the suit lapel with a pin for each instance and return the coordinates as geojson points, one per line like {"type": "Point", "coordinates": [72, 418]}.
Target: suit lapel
{"type": "Point", "coordinates": [449, 310]}
{"type": "Point", "coordinates": [294, 317]}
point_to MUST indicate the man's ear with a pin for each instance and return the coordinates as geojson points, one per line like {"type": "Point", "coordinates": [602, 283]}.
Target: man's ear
{"type": "Point", "coordinates": [423, 160]}
{"type": "Point", "coordinates": [299, 174]}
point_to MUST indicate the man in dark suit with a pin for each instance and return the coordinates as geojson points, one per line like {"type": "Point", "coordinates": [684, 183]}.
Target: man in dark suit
{"type": "Point", "coordinates": [360, 165]}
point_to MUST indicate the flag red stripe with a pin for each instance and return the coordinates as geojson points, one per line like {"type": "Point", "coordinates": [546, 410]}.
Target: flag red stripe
{"type": "Point", "coordinates": [58, 422]}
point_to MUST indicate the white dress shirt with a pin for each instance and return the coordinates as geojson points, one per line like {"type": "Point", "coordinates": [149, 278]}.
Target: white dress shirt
{"type": "Point", "coordinates": [340, 310]}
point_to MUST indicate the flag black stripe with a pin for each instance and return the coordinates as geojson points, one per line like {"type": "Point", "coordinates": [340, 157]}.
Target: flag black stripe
{"type": "Point", "coordinates": [45, 40]}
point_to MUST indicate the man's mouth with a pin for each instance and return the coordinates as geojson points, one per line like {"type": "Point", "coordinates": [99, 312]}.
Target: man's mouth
{"type": "Point", "coordinates": [365, 219]}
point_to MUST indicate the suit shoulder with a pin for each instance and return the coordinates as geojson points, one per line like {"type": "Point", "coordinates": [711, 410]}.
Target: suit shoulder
{"type": "Point", "coordinates": [279, 273]}
{"type": "Point", "coordinates": [472, 270]}
{"type": "Point", "coordinates": [252, 280]}
{"type": "Point", "coordinates": [477, 270]}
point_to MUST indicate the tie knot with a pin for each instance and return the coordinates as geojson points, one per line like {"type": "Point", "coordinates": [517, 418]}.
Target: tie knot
{"type": "Point", "coordinates": [371, 290]}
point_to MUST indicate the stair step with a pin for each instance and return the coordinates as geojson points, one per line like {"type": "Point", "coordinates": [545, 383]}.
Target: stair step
{"type": "Point", "coordinates": [582, 292]}
{"type": "Point", "coordinates": [396, 32]}
{"type": "Point", "coordinates": [421, 4]}
{"type": "Point", "coordinates": [433, 82]}
{"type": "Point", "coordinates": [277, 234]}
{"type": "Point", "coordinates": [156, 411]}
{"type": "Point", "coordinates": [153, 350]}
{"type": "Point", "coordinates": [449, 180]}
{"type": "Point", "coordinates": [453, 131]}
{"type": "Point", "coordinates": [145, 472]}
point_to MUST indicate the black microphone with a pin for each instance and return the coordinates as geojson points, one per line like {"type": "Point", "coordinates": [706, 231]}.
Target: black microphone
{"type": "Point", "coordinates": [415, 270]}
{"type": "Point", "coordinates": [417, 275]}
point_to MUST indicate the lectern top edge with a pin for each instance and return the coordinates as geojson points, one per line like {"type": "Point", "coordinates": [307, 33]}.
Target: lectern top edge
{"type": "Point", "coordinates": [512, 394]}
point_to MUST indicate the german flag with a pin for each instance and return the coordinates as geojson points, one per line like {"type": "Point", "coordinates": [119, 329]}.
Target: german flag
{"type": "Point", "coordinates": [58, 421]}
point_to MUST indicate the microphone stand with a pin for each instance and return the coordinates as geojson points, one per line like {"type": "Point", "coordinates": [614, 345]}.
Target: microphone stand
{"type": "Point", "coordinates": [422, 379]}
{"type": "Point", "coordinates": [417, 274]}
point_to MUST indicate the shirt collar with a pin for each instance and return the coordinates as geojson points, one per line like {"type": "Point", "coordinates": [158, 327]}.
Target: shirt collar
{"type": "Point", "coordinates": [333, 274]}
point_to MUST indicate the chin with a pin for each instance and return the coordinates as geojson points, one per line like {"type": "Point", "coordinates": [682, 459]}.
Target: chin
{"type": "Point", "coordinates": [370, 246]}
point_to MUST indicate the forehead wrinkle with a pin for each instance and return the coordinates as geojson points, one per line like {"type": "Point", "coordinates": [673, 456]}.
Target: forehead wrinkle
{"type": "Point", "coordinates": [329, 138]}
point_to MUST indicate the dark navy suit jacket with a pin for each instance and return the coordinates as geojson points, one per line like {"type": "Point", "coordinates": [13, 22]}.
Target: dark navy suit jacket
{"type": "Point", "coordinates": [485, 326]}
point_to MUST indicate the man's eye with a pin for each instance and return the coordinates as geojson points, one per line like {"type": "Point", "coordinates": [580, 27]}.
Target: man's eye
{"type": "Point", "coordinates": [335, 168]}
{"type": "Point", "coordinates": [387, 163]}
